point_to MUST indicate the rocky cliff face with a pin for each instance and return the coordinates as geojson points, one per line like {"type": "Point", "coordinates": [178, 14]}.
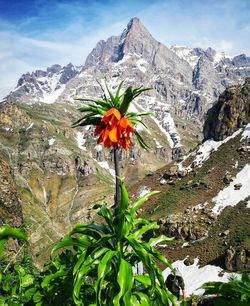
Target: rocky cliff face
{"type": "Point", "coordinates": [230, 113]}
{"type": "Point", "coordinates": [10, 204]}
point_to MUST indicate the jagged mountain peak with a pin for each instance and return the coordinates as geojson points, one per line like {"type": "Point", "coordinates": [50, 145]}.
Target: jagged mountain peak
{"type": "Point", "coordinates": [135, 28]}
{"type": "Point", "coordinates": [43, 85]}
{"type": "Point", "coordinates": [132, 40]}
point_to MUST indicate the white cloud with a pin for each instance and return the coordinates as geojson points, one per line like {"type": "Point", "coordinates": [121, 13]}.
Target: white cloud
{"type": "Point", "coordinates": [20, 54]}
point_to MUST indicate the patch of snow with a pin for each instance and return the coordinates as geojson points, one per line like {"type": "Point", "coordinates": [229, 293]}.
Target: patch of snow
{"type": "Point", "coordinates": [98, 148]}
{"type": "Point", "coordinates": [30, 126]}
{"type": "Point", "coordinates": [169, 125]}
{"type": "Point", "coordinates": [248, 204]}
{"type": "Point", "coordinates": [52, 96]}
{"type": "Point", "coordinates": [231, 197]}
{"type": "Point", "coordinates": [246, 132]}
{"type": "Point", "coordinates": [235, 166]}
{"type": "Point", "coordinates": [80, 141]}
{"type": "Point", "coordinates": [158, 145]}
{"type": "Point", "coordinates": [123, 60]}
{"type": "Point", "coordinates": [105, 165]}
{"type": "Point", "coordinates": [200, 206]}
{"type": "Point", "coordinates": [50, 87]}
{"type": "Point", "coordinates": [7, 129]}
{"type": "Point", "coordinates": [185, 244]}
{"type": "Point", "coordinates": [209, 146]}
{"type": "Point", "coordinates": [186, 54]}
{"type": "Point", "coordinates": [143, 190]}
{"type": "Point", "coordinates": [51, 141]}
{"type": "Point", "coordinates": [218, 57]}
{"type": "Point", "coordinates": [170, 141]}
{"type": "Point", "coordinates": [195, 276]}
{"type": "Point", "coordinates": [141, 65]}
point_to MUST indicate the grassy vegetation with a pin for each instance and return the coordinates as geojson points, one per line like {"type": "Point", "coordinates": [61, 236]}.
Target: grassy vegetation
{"type": "Point", "coordinates": [212, 173]}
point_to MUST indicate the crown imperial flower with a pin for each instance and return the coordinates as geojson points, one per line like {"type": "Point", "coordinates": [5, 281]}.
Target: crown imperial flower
{"type": "Point", "coordinates": [114, 130]}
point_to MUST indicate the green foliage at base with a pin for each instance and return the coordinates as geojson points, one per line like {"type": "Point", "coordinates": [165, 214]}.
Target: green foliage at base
{"type": "Point", "coordinates": [105, 255]}
{"type": "Point", "coordinates": [97, 266]}
{"type": "Point", "coordinates": [235, 292]}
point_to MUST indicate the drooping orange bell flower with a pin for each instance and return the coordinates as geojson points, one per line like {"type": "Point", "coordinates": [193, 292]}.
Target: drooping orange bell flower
{"type": "Point", "coordinates": [125, 129]}
{"type": "Point", "coordinates": [114, 130]}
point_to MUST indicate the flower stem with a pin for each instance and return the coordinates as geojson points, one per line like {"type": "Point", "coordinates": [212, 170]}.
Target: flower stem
{"type": "Point", "coordinates": [117, 174]}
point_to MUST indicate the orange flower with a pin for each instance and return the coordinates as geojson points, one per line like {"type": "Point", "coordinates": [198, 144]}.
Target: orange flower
{"type": "Point", "coordinates": [125, 129]}
{"type": "Point", "coordinates": [114, 130]}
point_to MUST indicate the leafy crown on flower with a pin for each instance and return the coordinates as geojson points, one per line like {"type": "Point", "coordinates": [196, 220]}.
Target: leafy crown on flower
{"type": "Point", "coordinates": [114, 124]}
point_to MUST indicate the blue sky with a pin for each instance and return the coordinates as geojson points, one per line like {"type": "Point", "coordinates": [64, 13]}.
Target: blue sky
{"type": "Point", "coordinates": [38, 33]}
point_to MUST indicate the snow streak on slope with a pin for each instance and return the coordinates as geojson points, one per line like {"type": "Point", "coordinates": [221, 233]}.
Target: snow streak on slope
{"type": "Point", "coordinates": [206, 149]}
{"type": "Point", "coordinates": [50, 87]}
{"type": "Point", "coordinates": [231, 197]}
{"type": "Point", "coordinates": [186, 54]}
{"type": "Point", "coordinates": [246, 132]}
{"type": "Point", "coordinates": [80, 141]}
{"type": "Point", "coordinates": [52, 96]}
{"type": "Point", "coordinates": [194, 276]}
{"type": "Point", "coordinates": [105, 166]}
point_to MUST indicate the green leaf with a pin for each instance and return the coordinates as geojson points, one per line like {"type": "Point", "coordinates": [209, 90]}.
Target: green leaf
{"type": "Point", "coordinates": [127, 99]}
{"type": "Point", "coordinates": [110, 92]}
{"type": "Point", "coordinates": [142, 143]}
{"type": "Point", "coordinates": [145, 257]}
{"type": "Point", "coordinates": [29, 294]}
{"type": "Point", "coordinates": [125, 280]}
{"type": "Point", "coordinates": [107, 215]}
{"type": "Point", "coordinates": [96, 229]}
{"type": "Point", "coordinates": [84, 270]}
{"type": "Point", "coordinates": [134, 301]}
{"type": "Point", "coordinates": [6, 232]}
{"type": "Point", "coordinates": [151, 226]}
{"type": "Point", "coordinates": [138, 114]}
{"type": "Point", "coordinates": [159, 239]}
{"type": "Point", "coordinates": [124, 197]}
{"type": "Point", "coordinates": [63, 271]}
{"type": "Point", "coordinates": [2, 245]}
{"type": "Point", "coordinates": [116, 99]}
{"type": "Point", "coordinates": [136, 121]}
{"type": "Point", "coordinates": [104, 103]}
{"type": "Point", "coordinates": [157, 254]}
{"type": "Point", "coordinates": [37, 297]}
{"type": "Point", "coordinates": [87, 121]}
{"type": "Point", "coordinates": [144, 299]}
{"type": "Point", "coordinates": [144, 279]}
{"type": "Point", "coordinates": [137, 204]}
{"type": "Point", "coordinates": [70, 242]}
{"type": "Point", "coordinates": [103, 267]}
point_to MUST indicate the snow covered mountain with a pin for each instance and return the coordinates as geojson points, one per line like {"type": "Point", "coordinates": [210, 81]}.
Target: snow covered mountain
{"type": "Point", "coordinates": [43, 86]}
{"type": "Point", "coordinates": [185, 80]}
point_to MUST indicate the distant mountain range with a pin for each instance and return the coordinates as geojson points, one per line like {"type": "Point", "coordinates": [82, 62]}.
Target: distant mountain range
{"type": "Point", "coordinates": [185, 80]}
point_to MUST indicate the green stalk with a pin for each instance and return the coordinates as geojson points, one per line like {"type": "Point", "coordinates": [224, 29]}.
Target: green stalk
{"type": "Point", "coordinates": [117, 174]}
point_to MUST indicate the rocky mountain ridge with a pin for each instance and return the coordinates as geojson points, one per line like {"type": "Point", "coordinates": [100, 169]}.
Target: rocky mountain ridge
{"type": "Point", "coordinates": [186, 80]}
